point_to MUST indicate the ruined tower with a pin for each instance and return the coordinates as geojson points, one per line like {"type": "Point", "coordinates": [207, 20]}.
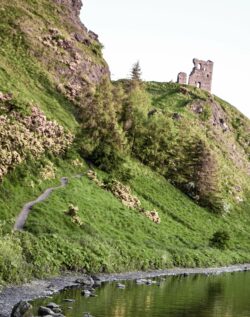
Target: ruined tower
{"type": "Point", "coordinates": [182, 78]}
{"type": "Point", "coordinates": [201, 75]}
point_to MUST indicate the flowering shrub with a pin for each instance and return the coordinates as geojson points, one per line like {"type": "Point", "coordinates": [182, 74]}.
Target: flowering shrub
{"type": "Point", "coordinates": [48, 171]}
{"type": "Point", "coordinates": [33, 135]}
{"type": "Point", "coordinates": [73, 213]}
{"type": "Point", "coordinates": [51, 134]}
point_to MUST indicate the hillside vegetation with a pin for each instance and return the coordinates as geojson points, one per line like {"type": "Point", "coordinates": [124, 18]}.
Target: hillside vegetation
{"type": "Point", "coordinates": [158, 172]}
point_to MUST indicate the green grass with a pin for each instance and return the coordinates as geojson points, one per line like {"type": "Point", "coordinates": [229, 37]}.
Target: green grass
{"type": "Point", "coordinates": [115, 238]}
{"type": "Point", "coordinates": [168, 96]}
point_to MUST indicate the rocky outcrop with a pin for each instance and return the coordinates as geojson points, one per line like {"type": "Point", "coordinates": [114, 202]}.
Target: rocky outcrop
{"type": "Point", "coordinates": [73, 5]}
{"type": "Point", "coordinates": [70, 52]}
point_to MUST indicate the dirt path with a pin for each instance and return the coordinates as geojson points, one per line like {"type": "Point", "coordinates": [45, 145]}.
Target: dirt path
{"type": "Point", "coordinates": [21, 219]}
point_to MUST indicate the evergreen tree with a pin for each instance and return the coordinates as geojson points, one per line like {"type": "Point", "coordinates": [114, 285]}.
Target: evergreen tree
{"type": "Point", "coordinates": [198, 174]}
{"type": "Point", "coordinates": [207, 179]}
{"type": "Point", "coordinates": [99, 123]}
{"type": "Point", "coordinates": [136, 73]}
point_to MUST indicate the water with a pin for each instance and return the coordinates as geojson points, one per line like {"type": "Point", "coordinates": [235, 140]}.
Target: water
{"type": "Point", "coordinates": [225, 295]}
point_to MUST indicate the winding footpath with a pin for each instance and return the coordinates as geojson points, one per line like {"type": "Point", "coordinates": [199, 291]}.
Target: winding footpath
{"type": "Point", "coordinates": [22, 217]}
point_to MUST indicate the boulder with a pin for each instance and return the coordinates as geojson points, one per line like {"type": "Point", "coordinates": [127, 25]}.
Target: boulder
{"type": "Point", "coordinates": [122, 286]}
{"type": "Point", "coordinates": [21, 309]}
{"type": "Point", "coordinates": [69, 300]}
{"type": "Point", "coordinates": [44, 311]}
{"type": "Point", "coordinates": [57, 310]}
{"type": "Point", "coordinates": [86, 292]}
{"type": "Point", "coordinates": [141, 281]}
{"type": "Point", "coordinates": [85, 280]}
{"type": "Point", "coordinates": [52, 306]}
{"type": "Point", "coordinates": [98, 283]}
{"type": "Point", "coordinates": [149, 282]}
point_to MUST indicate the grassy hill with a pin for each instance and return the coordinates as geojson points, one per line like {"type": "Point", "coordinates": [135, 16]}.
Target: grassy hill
{"type": "Point", "coordinates": [157, 149]}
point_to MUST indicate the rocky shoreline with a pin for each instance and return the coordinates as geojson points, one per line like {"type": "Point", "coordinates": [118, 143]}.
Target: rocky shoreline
{"type": "Point", "coordinates": [42, 288]}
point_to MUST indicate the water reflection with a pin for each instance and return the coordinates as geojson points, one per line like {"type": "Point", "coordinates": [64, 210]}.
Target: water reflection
{"type": "Point", "coordinates": [224, 295]}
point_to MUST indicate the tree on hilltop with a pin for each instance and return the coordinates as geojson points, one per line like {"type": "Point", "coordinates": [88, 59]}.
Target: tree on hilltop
{"type": "Point", "coordinates": [136, 72]}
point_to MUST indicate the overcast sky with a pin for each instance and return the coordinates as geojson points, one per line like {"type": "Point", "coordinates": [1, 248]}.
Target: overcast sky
{"type": "Point", "coordinates": [165, 35]}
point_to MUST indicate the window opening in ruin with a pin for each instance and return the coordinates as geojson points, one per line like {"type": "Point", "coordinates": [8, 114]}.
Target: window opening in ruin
{"type": "Point", "coordinates": [198, 84]}
{"type": "Point", "coordinates": [199, 66]}
{"type": "Point", "coordinates": [207, 75]}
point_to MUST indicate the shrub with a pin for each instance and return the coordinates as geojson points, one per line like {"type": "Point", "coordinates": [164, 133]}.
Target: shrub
{"type": "Point", "coordinates": [220, 239]}
{"type": "Point", "coordinates": [13, 267]}
{"type": "Point", "coordinates": [23, 136]}
{"type": "Point", "coordinates": [106, 157]}
{"type": "Point", "coordinates": [206, 113]}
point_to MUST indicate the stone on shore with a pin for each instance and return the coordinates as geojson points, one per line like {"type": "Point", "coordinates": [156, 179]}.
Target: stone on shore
{"type": "Point", "coordinates": [122, 286]}
{"type": "Point", "coordinates": [21, 309]}
{"type": "Point", "coordinates": [46, 311]}
{"type": "Point", "coordinates": [52, 306]}
{"type": "Point", "coordinates": [85, 280]}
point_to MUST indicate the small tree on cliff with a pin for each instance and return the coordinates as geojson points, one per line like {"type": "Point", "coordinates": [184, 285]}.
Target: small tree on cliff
{"type": "Point", "coordinates": [135, 106]}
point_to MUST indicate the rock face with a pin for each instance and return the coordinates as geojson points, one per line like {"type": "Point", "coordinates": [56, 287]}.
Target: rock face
{"type": "Point", "coordinates": [73, 53]}
{"type": "Point", "coordinates": [21, 309]}
{"type": "Point", "coordinates": [74, 5]}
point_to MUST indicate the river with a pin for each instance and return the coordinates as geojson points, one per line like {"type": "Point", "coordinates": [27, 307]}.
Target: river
{"type": "Point", "coordinates": [224, 295]}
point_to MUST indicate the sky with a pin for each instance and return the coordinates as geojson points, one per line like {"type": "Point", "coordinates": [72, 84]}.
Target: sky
{"type": "Point", "coordinates": [165, 36]}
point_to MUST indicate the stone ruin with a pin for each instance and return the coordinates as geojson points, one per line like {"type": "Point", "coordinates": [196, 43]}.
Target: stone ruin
{"type": "Point", "coordinates": [201, 75]}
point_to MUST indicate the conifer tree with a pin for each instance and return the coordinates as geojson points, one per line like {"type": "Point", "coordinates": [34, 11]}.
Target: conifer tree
{"type": "Point", "coordinates": [136, 73]}
{"type": "Point", "coordinates": [99, 121]}
{"type": "Point", "coordinates": [207, 178]}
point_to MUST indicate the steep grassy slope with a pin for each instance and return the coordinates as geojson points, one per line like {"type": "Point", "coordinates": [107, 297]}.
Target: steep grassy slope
{"type": "Point", "coordinates": [54, 107]}
{"type": "Point", "coordinates": [46, 55]}
{"type": "Point", "coordinates": [220, 125]}
{"type": "Point", "coordinates": [113, 237]}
